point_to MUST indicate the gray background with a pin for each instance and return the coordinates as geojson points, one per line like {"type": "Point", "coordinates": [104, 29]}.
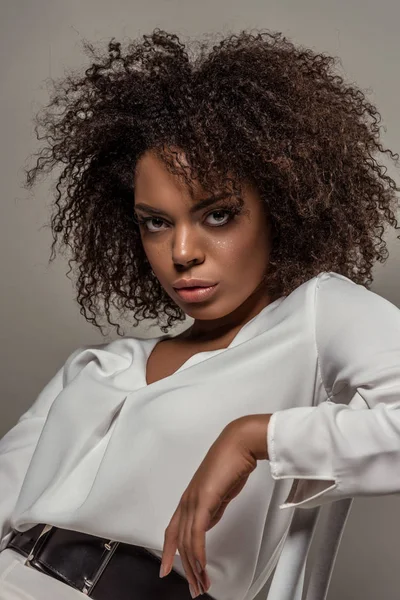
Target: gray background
{"type": "Point", "coordinates": [40, 320]}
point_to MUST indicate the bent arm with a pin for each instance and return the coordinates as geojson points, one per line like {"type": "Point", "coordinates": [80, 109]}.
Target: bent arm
{"type": "Point", "coordinates": [345, 449]}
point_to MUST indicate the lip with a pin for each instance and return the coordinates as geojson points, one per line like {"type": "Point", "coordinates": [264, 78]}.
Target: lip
{"type": "Point", "coordinates": [187, 283]}
{"type": "Point", "coordinates": [196, 294]}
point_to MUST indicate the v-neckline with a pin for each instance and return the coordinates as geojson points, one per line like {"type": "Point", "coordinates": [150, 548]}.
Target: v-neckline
{"type": "Point", "coordinates": [183, 365]}
{"type": "Point", "coordinates": [152, 342]}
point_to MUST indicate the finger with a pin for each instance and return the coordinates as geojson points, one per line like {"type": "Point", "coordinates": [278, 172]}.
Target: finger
{"type": "Point", "coordinates": [190, 553]}
{"type": "Point", "coordinates": [170, 543]}
{"type": "Point", "coordinates": [199, 527]}
{"type": "Point", "coordinates": [183, 550]}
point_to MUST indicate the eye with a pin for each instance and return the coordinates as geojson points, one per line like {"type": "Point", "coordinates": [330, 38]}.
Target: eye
{"type": "Point", "coordinates": [148, 219]}
{"type": "Point", "coordinates": [229, 212]}
{"type": "Point", "coordinates": [219, 212]}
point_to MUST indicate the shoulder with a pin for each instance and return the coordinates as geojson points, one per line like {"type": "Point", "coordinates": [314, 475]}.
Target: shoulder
{"type": "Point", "coordinates": [342, 299]}
{"type": "Point", "coordinates": [357, 331]}
{"type": "Point", "coordinates": [107, 357]}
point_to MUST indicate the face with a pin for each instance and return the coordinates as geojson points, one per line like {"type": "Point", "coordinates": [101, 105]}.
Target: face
{"type": "Point", "coordinates": [210, 243]}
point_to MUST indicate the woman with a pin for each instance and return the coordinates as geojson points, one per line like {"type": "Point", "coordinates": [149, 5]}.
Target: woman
{"type": "Point", "coordinates": [239, 186]}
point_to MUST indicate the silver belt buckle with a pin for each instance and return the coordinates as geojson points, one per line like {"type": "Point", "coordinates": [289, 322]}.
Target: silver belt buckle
{"type": "Point", "coordinates": [109, 547]}
{"type": "Point", "coordinates": [44, 534]}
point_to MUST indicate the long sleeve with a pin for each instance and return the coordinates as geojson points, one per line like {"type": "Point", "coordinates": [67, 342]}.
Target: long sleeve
{"type": "Point", "coordinates": [349, 444]}
{"type": "Point", "coordinates": [17, 448]}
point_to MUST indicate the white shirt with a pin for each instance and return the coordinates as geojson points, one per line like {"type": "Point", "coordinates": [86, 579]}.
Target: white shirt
{"type": "Point", "coordinates": [103, 452]}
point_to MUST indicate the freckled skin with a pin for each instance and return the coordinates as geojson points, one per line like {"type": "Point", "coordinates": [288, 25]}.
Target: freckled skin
{"type": "Point", "coordinates": [184, 246]}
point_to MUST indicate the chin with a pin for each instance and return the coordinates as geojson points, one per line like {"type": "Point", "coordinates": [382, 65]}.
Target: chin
{"type": "Point", "coordinates": [205, 312]}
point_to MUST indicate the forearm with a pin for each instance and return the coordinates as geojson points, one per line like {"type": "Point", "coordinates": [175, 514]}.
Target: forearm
{"type": "Point", "coordinates": [253, 433]}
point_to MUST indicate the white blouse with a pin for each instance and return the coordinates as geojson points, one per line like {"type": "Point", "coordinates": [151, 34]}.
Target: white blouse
{"type": "Point", "coordinates": [103, 452]}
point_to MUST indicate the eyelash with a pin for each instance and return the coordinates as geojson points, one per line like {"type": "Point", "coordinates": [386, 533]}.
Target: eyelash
{"type": "Point", "coordinates": [232, 212]}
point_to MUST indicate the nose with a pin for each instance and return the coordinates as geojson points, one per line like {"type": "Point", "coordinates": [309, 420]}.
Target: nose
{"type": "Point", "coordinates": [186, 248]}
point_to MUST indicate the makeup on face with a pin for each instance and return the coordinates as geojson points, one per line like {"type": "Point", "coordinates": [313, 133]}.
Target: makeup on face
{"type": "Point", "coordinates": [218, 245]}
{"type": "Point", "coordinates": [196, 294]}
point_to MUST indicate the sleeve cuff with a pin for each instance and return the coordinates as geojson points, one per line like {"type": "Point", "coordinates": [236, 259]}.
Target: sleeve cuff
{"type": "Point", "coordinates": [287, 461]}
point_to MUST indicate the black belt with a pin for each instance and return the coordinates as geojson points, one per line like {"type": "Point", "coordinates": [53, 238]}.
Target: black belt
{"type": "Point", "coordinates": [100, 568]}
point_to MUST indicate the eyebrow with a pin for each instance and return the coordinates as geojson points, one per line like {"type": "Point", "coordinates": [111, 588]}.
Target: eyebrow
{"type": "Point", "coordinates": [195, 208]}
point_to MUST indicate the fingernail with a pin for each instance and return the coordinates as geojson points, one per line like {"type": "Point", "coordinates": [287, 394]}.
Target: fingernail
{"type": "Point", "coordinates": [201, 587]}
{"type": "Point", "coordinates": [192, 592]}
{"type": "Point", "coordinates": [162, 571]}
{"type": "Point", "coordinates": [203, 578]}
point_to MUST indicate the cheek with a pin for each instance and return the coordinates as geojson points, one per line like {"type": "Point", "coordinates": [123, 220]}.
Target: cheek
{"type": "Point", "coordinates": [244, 258]}
{"type": "Point", "coordinates": [240, 252]}
{"type": "Point", "coordinates": [156, 252]}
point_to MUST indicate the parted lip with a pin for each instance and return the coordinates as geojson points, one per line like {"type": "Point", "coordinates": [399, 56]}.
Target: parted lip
{"type": "Point", "coordinates": [184, 283]}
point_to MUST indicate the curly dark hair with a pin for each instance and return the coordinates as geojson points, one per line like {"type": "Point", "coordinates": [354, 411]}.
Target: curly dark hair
{"type": "Point", "coordinates": [253, 108]}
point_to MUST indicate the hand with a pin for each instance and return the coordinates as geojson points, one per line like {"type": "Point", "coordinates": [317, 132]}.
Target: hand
{"type": "Point", "coordinates": [220, 477]}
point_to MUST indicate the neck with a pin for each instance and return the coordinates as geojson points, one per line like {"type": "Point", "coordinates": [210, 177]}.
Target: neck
{"type": "Point", "coordinates": [227, 326]}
